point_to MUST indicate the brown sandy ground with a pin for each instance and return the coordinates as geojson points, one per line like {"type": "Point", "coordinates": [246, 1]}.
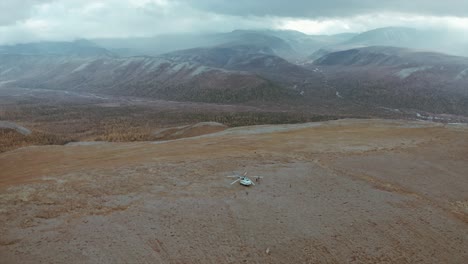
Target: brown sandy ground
{"type": "Point", "coordinates": [347, 191]}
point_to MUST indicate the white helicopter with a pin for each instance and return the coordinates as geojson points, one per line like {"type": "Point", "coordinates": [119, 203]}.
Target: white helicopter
{"type": "Point", "coordinates": [243, 179]}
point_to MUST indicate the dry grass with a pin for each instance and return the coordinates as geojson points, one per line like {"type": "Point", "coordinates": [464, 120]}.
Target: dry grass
{"type": "Point", "coordinates": [10, 139]}
{"type": "Point", "coordinates": [63, 123]}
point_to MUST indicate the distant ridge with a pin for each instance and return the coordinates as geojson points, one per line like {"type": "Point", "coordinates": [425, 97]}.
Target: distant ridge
{"type": "Point", "coordinates": [81, 47]}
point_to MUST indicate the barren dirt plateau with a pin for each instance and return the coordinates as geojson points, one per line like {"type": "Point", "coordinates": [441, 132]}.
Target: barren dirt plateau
{"type": "Point", "coordinates": [346, 191]}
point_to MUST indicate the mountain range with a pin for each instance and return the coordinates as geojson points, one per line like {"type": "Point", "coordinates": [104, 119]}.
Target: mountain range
{"type": "Point", "coordinates": [387, 68]}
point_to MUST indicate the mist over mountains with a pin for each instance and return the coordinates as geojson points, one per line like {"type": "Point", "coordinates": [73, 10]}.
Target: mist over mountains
{"type": "Point", "coordinates": [294, 44]}
{"type": "Point", "coordinates": [387, 68]}
{"type": "Point", "coordinates": [222, 131]}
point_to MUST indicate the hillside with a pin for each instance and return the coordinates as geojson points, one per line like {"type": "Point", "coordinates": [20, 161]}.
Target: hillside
{"type": "Point", "coordinates": [401, 37]}
{"type": "Point", "coordinates": [359, 82]}
{"type": "Point", "coordinates": [136, 76]}
{"type": "Point", "coordinates": [330, 192]}
{"type": "Point", "coordinates": [399, 78]}
{"type": "Point", "coordinates": [388, 56]}
{"type": "Point", "coordinates": [291, 45]}
{"type": "Point", "coordinates": [391, 36]}
{"type": "Point", "coordinates": [80, 48]}
{"type": "Point", "coordinates": [260, 60]}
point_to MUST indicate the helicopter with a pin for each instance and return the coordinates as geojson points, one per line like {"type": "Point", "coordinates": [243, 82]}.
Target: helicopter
{"type": "Point", "coordinates": [243, 179]}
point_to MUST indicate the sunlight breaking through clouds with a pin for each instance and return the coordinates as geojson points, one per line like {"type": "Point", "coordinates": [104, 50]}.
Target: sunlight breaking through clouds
{"type": "Point", "coordinates": [366, 22]}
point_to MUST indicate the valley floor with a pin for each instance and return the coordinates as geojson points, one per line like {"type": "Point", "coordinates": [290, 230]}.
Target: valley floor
{"type": "Point", "coordinates": [346, 191]}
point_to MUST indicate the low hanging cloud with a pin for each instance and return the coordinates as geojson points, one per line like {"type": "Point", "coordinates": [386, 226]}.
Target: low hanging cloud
{"type": "Point", "coordinates": [331, 8]}
{"type": "Point", "coordinates": [70, 19]}
{"type": "Point", "coordinates": [12, 11]}
{"type": "Point", "coordinates": [33, 20]}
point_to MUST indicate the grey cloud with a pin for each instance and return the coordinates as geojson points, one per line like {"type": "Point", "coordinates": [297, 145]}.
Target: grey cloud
{"type": "Point", "coordinates": [71, 19]}
{"type": "Point", "coordinates": [330, 8]}
{"type": "Point", "coordinates": [12, 11]}
{"type": "Point", "coordinates": [32, 20]}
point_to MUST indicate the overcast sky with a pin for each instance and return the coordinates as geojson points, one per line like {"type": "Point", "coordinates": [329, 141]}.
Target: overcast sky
{"type": "Point", "coordinates": [32, 20]}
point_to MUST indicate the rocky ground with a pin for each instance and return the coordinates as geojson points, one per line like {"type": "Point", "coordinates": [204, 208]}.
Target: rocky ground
{"type": "Point", "coordinates": [347, 191]}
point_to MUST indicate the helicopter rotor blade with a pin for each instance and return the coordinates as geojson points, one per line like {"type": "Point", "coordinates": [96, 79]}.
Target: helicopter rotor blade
{"type": "Point", "coordinates": [235, 181]}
